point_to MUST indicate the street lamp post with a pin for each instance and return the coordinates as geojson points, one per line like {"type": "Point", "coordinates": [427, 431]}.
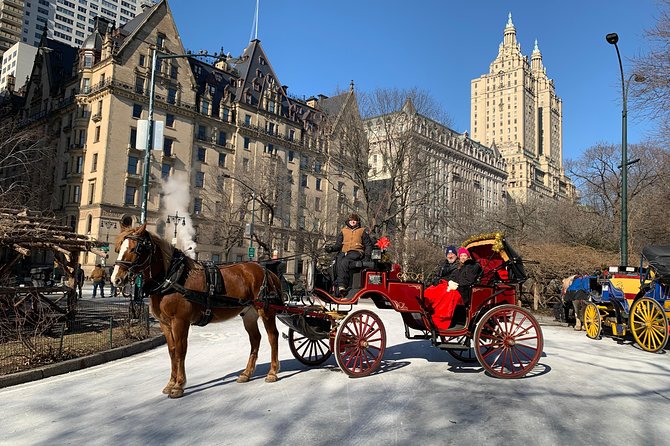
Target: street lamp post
{"type": "Point", "coordinates": [176, 219]}
{"type": "Point", "coordinates": [612, 39]}
{"type": "Point", "coordinates": [107, 224]}
{"type": "Point", "coordinates": [155, 57]}
{"type": "Point", "coordinates": [253, 213]}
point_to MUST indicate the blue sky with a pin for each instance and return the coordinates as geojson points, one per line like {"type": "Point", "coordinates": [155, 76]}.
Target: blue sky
{"type": "Point", "coordinates": [439, 46]}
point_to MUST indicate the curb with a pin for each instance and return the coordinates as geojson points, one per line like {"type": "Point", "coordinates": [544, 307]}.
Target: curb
{"type": "Point", "coordinates": [75, 364]}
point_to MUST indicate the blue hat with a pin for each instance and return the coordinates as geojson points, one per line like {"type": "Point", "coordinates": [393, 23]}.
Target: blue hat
{"type": "Point", "coordinates": [450, 249]}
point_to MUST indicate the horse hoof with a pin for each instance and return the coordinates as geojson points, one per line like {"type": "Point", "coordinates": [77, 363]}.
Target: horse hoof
{"type": "Point", "coordinates": [242, 379]}
{"type": "Point", "coordinates": [271, 378]}
{"type": "Point", "coordinates": [167, 390]}
{"type": "Point", "coordinates": [176, 393]}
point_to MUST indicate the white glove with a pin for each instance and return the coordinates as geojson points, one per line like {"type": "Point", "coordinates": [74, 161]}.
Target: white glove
{"type": "Point", "coordinates": [452, 285]}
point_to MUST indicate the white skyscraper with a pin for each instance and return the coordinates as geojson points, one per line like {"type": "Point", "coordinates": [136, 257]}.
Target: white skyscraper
{"type": "Point", "coordinates": [70, 21]}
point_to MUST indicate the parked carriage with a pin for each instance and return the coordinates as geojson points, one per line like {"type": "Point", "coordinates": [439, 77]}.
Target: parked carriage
{"type": "Point", "coordinates": [635, 300]}
{"type": "Point", "coordinates": [504, 338]}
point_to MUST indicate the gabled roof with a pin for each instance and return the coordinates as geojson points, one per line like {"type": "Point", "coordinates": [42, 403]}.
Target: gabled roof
{"type": "Point", "coordinates": [60, 59]}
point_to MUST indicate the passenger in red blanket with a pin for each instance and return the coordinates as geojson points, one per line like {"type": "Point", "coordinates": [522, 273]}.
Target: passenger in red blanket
{"type": "Point", "coordinates": [444, 297]}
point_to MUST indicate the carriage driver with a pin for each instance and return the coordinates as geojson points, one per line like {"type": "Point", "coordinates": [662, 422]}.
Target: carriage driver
{"type": "Point", "coordinates": [354, 244]}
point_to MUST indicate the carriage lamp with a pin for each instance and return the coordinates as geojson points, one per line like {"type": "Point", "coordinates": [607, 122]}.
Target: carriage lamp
{"type": "Point", "coordinates": [376, 254]}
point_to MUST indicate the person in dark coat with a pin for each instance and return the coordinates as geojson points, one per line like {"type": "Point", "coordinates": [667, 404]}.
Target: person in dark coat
{"type": "Point", "coordinates": [79, 279]}
{"type": "Point", "coordinates": [353, 243]}
{"type": "Point", "coordinates": [448, 268]}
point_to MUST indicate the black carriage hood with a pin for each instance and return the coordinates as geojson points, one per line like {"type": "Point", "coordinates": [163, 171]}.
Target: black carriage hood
{"type": "Point", "coordinates": [659, 260]}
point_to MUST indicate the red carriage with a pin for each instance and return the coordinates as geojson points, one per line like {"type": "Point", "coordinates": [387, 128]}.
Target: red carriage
{"type": "Point", "coordinates": [503, 337]}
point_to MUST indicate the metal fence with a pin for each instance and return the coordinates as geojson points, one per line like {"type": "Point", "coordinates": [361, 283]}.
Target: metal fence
{"type": "Point", "coordinates": [32, 335]}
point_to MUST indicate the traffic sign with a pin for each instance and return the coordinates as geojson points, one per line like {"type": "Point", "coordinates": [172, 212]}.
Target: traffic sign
{"type": "Point", "coordinates": [252, 252]}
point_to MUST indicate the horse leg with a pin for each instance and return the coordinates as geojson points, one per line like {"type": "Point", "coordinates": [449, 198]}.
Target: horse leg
{"type": "Point", "coordinates": [167, 332]}
{"type": "Point", "coordinates": [180, 329]}
{"type": "Point", "coordinates": [270, 323]}
{"type": "Point", "coordinates": [250, 319]}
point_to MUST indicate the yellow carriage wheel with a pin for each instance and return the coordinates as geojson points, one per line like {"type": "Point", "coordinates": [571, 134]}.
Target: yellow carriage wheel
{"type": "Point", "coordinates": [649, 324]}
{"type": "Point", "coordinates": [593, 323]}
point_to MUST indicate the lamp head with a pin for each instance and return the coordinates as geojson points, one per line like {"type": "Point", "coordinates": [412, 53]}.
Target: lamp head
{"type": "Point", "coordinates": [612, 38]}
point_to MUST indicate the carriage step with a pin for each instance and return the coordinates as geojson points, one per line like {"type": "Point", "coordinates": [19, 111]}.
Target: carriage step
{"type": "Point", "coordinates": [420, 336]}
{"type": "Point", "coordinates": [452, 346]}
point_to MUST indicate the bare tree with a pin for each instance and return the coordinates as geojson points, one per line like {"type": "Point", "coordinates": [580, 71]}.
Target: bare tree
{"type": "Point", "coordinates": [399, 183]}
{"type": "Point", "coordinates": [651, 91]}
{"type": "Point", "coordinates": [26, 165]}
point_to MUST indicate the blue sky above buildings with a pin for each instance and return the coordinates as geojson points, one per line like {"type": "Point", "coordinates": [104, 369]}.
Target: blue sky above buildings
{"type": "Point", "coordinates": [318, 47]}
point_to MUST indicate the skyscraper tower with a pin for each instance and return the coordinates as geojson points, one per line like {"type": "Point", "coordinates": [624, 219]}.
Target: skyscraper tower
{"type": "Point", "coordinates": [515, 108]}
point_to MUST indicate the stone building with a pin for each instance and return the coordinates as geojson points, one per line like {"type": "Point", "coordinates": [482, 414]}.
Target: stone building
{"type": "Point", "coordinates": [515, 109]}
{"type": "Point", "coordinates": [236, 147]}
{"type": "Point", "coordinates": [435, 174]}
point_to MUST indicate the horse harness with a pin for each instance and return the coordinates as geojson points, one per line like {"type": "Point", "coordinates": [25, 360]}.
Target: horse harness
{"type": "Point", "coordinates": [215, 295]}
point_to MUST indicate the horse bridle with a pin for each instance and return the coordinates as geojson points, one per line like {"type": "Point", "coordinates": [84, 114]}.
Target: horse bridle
{"type": "Point", "coordinates": [142, 246]}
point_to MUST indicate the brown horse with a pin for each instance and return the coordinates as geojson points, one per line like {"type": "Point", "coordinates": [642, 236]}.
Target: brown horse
{"type": "Point", "coordinates": [246, 285]}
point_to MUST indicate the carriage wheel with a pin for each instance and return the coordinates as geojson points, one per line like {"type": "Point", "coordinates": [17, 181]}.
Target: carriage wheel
{"type": "Point", "coordinates": [360, 343]}
{"type": "Point", "coordinates": [649, 324]}
{"type": "Point", "coordinates": [462, 355]}
{"type": "Point", "coordinates": [593, 323]}
{"type": "Point", "coordinates": [310, 352]}
{"type": "Point", "coordinates": [508, 341]}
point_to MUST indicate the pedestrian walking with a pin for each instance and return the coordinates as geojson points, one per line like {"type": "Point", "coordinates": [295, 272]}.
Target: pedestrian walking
{"type": "Point", "coordinates": [98, 277]}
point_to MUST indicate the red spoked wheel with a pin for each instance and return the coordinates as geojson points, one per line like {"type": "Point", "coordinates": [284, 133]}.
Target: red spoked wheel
{"type": "Point", "coordinates": [310, 352]}
{"type": "Point", "coordinates": [360, 343]}
{"type": "Point", "coordinates": [508, 341]}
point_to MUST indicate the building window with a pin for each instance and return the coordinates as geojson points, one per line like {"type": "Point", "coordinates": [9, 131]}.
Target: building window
{"type": "Point", "coordinates": [91, 193]}
{"type": "Point", "coordinates": [317, 204]}
{"type": "Point", "coordinates": [303, 180]}
{"type": "Point", "coordinates": [133, 138]}
{"type": "Point", "coordinates": [130, 195]}
{"type": "Point", "coordinates": [96, 135]}
{"type": "Point", "coordinates": [204, 107]}
{"type": "Point", "coordinates": [291, 135]}
{"type": "Point", "coordinates": [160, 40]}
{"type": "Point", "coordinates": [79, 165]}
{"type": "Point", "coordinates": [318, 184]}
{"type": "Point", "coordinates": [142, 60]}
{"type": "Point", "coordinates": [139, 85]}
{"type": "Point", "coordinates": [317, 166]}
{"type": "Point", "coordinates": [200, 179]}
{"type": "Point", "coordinates": [94, 162]}
{"type": "Point", "coordinates": [197, 206]}
{"type": "Point", "coordinates": [174, 71]}
{"type": "Point", "coordinates": [222, 160]}
{"type": "Point", "coordinates": [167, 146]}
{"type": "Point", "coordinates": [76, 194]}
{"type": "Point", "coordinates": [304, 161]}
{"type": "Point", "coordinates": [201, 154]}
{"type": "Point", "coordinates": [172, 96]}
{"type": "Point", "coordinates": [202, 133]}
{"type": "Point", "coordinates": [137, 111]}
{"type": "Point", "coordinates": [245, 164]}
{"type": "Point", "coordinates": [222, 139]}
{"type": "Point", "coordinates": [291, 154]}
{"type": "Point", "coordinates": [133, 163]}
{"type": "Point", "coordinates": [169, 120]}
{"type": "Point", "coordinates": [247, 142]}
{"type": "Point", "coordinates": [165, 170]}
{"type": "Point", "coordinates": [247, 119]}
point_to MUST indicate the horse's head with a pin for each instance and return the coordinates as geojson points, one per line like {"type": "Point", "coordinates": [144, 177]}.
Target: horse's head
{"type": "Point", "coordinates": [134, 247]}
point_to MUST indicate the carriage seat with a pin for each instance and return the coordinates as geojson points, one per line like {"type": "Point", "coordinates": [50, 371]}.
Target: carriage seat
{"type": "Point", "coordinates": [363, 264]}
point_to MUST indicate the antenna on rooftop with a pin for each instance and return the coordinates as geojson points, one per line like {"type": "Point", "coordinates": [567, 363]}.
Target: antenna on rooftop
{"type": "Point", "coordinates": [254, 27]}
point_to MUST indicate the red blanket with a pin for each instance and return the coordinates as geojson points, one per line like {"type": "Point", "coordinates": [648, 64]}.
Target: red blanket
{"type": "Point", "coordinates": [442, 302]}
